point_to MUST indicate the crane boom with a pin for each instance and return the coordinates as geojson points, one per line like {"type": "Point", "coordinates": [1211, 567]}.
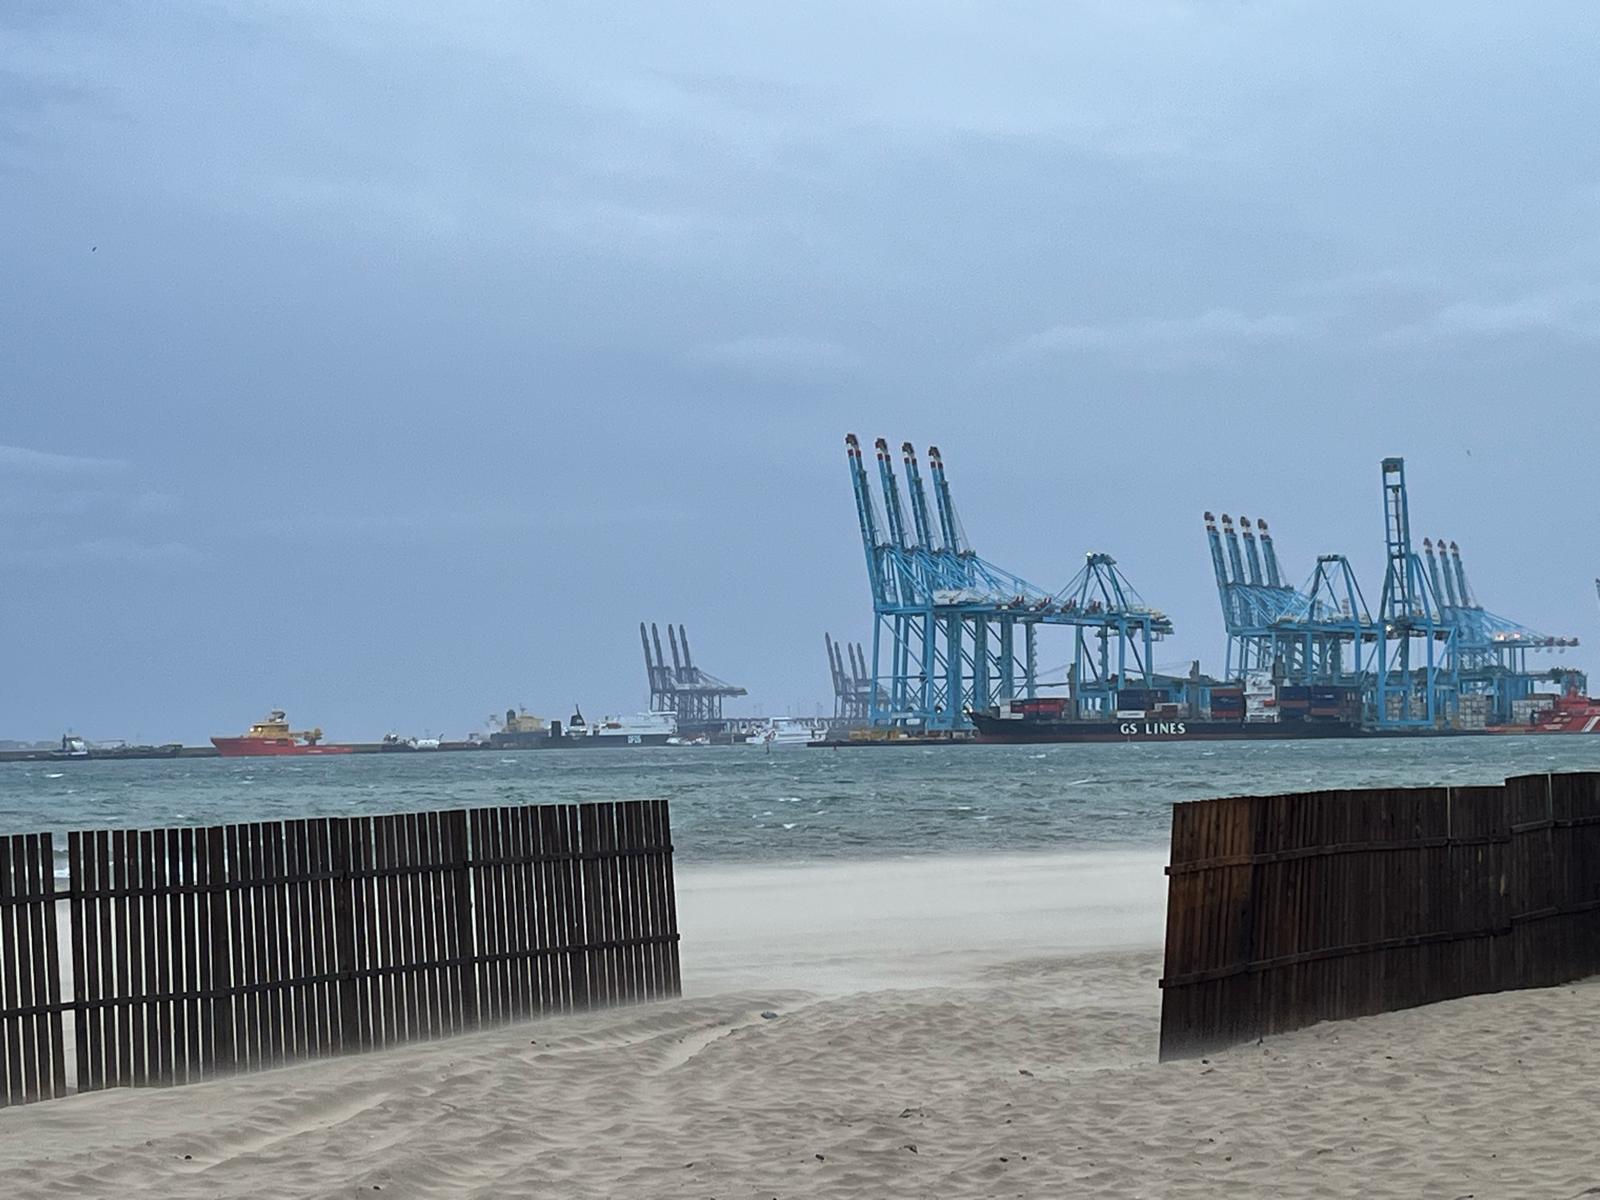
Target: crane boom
{"type": "Point", "coordinates": [949, 526]}
{"type": "Point", "coordinates": [1252, 553]}
{"type": "Point", "coordinates": [891, 493]}
{"type": "Point", "coordinates": [1274, 576]}
{"type": "Point", "coordinates": [919, 498]}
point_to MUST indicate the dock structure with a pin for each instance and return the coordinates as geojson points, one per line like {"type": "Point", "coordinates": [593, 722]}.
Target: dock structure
{"type": "Point", "coordinates": [953, 633]}
{"type": "Point", "coordinates": [1429, 656]}
{"type": "Point", "coordinates": [683, 688]}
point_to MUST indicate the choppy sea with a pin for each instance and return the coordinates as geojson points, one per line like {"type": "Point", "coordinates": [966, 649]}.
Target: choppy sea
{"type": "Point", "coordinates": [747, 804]}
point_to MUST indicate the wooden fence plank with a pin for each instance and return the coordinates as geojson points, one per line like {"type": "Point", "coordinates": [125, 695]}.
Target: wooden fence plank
{"type": "Point", "coordinates": [168, 1049]}
{"type": "Point", "coordinates": [324, 891]}
{"type": "Point", "coordinates": [20, 959]}
{"type": "Point", "coordinates": [464, 978]}
{"type": "Point", "coordinates": [420, 852]}
{"type": "Point", "coordinates": [81, 915]}
{"type": "Point", "coordinates": [36, 879]}
{"type": "Point", "coordinates": [662, 831]}
{"type": "Point", "coordinates": [553, 920]}
{"type": "Point", "coordinates": [185, 943]}
{"type": "Point", "coordinates": [218, 978]}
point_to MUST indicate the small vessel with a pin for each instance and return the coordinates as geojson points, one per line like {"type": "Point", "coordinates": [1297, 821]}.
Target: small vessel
{"type": "Point", "coordinates": [101, 750]}
{"type": "Point", "coordinates": [72, 746]}
{"type": "Point", "coordinates": [274, 737]}
{"type": "Point", "coordinates": [393, 741]}
{"type": "Point", "coordinates": [786, 731]}
{"type": "Point", "coordinates": [521, 730]}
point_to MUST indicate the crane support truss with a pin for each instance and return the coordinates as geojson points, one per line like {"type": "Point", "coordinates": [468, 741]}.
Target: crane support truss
{"type": "Point", "coordinates": [952, 632]}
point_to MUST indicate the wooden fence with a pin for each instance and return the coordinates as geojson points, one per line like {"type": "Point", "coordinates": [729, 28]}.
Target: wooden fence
{"type": "Point", "coordinates": [1287, 910]}
{"type": "Point", "coordinates": [199, 952]}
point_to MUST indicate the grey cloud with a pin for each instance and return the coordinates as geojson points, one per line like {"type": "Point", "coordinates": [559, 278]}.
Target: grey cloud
{"type": "Point", "coordinates": [1571, 311]}
{"type": "Point", "coordinates": [20, 460]}
{"type": "Point", "coordinates": [451, 524]}
{"type": "Point", "coordinates": [110, 551]}
{"type": "Point", "coordinates": [1167, 343]}
{"type": "Point", "coordinates": [1357, 285]}
{"type": "Point", "coordinates": [776, 354]}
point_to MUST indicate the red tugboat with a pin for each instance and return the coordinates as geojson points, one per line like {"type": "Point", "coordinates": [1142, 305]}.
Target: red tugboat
{"type": "Point", "coordinates": [272, 737]}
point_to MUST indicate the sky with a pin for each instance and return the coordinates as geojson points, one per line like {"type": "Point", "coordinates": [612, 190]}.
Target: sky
{"type": "Point", "coordinates": [389, 362]}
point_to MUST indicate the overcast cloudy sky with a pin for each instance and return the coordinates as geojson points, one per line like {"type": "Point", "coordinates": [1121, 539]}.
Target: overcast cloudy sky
{"type": "Point", "coordinates": [389, 362]}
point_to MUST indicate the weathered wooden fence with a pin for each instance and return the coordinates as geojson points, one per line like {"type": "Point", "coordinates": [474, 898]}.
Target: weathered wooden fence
{"type": "Point", "coordinates": [1287, 910]}
{"type": "Point", "coordinates": [198, 952]}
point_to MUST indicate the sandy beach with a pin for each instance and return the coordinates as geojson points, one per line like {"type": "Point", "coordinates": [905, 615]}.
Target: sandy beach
{"type": "Point", "coordinates": [981, 1027]}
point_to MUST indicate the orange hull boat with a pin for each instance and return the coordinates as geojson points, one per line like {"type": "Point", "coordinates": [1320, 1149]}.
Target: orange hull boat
{"type": "Point", "coordinates": [274, 737]}
{"type": "Point", "coordinates": [240, 747]}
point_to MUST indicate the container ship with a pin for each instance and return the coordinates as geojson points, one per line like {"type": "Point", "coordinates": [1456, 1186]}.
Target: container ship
{"type": "Point", "coordinates": [274, 737]}
{"type": "Point", "coordinates": [1258, 709]}
{"type": "Point", "coordinates": [1287, 713]}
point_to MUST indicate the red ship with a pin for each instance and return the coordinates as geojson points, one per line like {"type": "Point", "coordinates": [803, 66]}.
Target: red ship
{"type": "Point", "coordinates": [1571, 713]}
{"type": "Point", "coordinates": [273, 736]}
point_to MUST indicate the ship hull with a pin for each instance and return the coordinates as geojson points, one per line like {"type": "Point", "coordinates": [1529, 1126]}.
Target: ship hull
{"type": "Point", "coordinates": [1023, 731]}
{"type": "Point", "coordinates": [574, 741]}
{"type": "Point", "coordinates": [248, 747]}
{"type": "Point", "coordinates": [171, 750]}
{"type": "Point", "coordinates": [1589, 725]}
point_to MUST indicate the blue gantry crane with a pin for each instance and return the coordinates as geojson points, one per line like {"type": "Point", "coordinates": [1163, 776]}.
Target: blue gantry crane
{"type": "Point", "coordinates": [852, 683]}
{"type": "Point", "coordinates": [1419, 669]}
{"type": "Point", "coordinates": [1430, 645]}
{"type": "Point", "coordinates": [953, 632]}
{"type": "Point", "coordinates": [1492, 652]}
{"type": "Point", "coordinates": [696, 696]}
{"type": "Point", "coordinates": [1320, 634]}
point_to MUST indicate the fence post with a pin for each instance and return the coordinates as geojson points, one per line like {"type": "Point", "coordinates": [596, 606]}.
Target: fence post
{"type": "Point", "coordinates": [455, 827]}
{"type": "Point", "coordinates": [1528, 816]}
{"type": "Point", "coordinates": [220, 982]}
{"type": "Point", "coordinates": [77, 885]}
{"type": "Point", "coordinates": [344, 935]}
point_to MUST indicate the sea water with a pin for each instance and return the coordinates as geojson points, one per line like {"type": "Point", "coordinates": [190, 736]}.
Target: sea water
{"type": "Point", "coordinates": [786, 804]}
